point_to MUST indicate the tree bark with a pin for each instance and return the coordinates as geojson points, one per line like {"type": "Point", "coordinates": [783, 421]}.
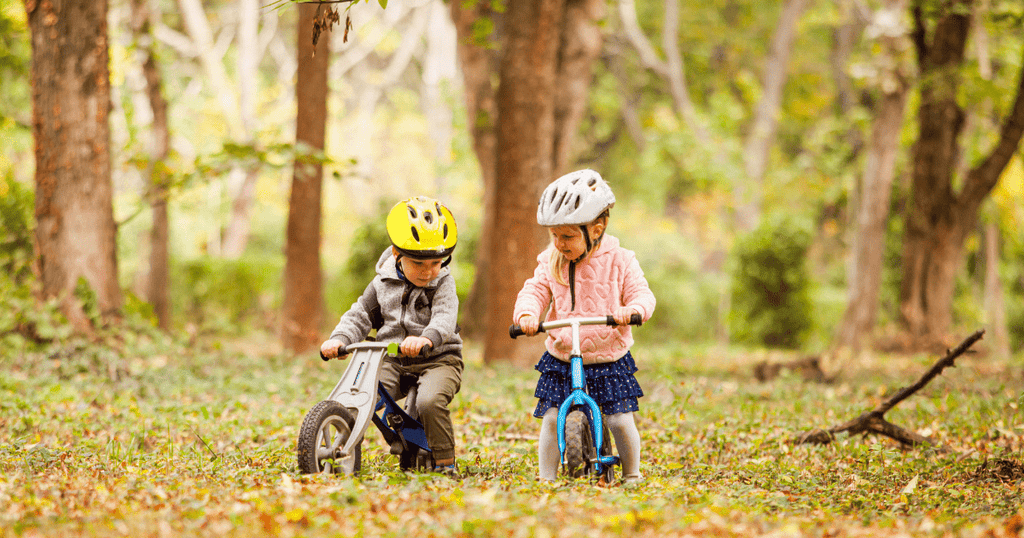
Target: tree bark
{"type": "Point", "coordinates": [479, 63]}
{"type": "Point", "coordinates": [525, 142]}
{"type": "Point", "coordinates": [867, 252]}
{"type": "Point", "coordinates": [157, 284]}
{"type": "Point", "coordinates": [302, 310]}
{"type": "Point", "coordinates": [75, 230]}
{"type": "Point", "coordinates": [995, 308]}
{"type": "Point", "coordinates": [940, 220]}
{"type": "Point", "coordinates": [580, 45]}
{"type": "Point", "coordinates": [761, 137]}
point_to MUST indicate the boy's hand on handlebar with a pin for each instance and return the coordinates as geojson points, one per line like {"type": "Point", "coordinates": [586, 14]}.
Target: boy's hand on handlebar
{"type": "Point", "coordinates": [622, 314]}
{"type": "Point", "coordinates": [412, 345]}
{"type": "Point", "coordinates": [332, 349]}
{"type": "Point", "coordinates": [529, 324]}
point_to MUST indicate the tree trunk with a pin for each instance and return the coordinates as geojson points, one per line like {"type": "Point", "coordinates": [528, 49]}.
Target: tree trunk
{"type": "Point", "coordinates": [864, 269]}
{"type": "Point", "coordinates": [157, 285]}
{"type": "Point", "coordinates": [939, 219]}
{"type": "Point", "coordinates": [479, 63]}
{"type": "Point", "coordinates": [302, 311]}
{"type": "Point", "coordinates": [580, 45]}
{"type": "Point", "coordinates": [761, 137]}
{"type": "Point", "coordinates": [995, 308]}
{"type": "Point", "coordinates": [75, 229]}
{"type": "Point", "coordinates": [525, 142]}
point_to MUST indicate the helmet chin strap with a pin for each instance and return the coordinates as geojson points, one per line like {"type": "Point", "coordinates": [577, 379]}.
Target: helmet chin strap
{"type": "Point", "coordinates": [586, 237]}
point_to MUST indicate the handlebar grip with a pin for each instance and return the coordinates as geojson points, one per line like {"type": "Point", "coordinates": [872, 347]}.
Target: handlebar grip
{"type": "Point", "coordinates": [634, 319]}
{"type": "Point", "coordinates": [340, 353]}
{"type": "Point", "coordinates": [393, 351]}
{"type": "Point", "coordinates": [516, 331]}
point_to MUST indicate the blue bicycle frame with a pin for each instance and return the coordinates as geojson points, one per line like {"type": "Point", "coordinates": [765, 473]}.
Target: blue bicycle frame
{"type": "Point", "coordinates": [579, 396]}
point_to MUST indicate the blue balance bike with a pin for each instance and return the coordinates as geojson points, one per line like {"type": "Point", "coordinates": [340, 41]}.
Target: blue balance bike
{"type": "Point", "coordinates": [332, 432]}
{"type": "Point", "coordinates": [584, 444]}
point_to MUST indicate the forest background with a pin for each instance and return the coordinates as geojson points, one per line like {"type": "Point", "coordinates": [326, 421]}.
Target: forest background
{"type": "Point", "coordinates": [722, 137]}
{"type": "Point", "coordinates": [837, 179]}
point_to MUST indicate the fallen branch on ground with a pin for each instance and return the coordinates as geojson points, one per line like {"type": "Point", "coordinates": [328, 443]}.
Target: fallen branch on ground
{"type": "Point", "coordinates": [874, 421]}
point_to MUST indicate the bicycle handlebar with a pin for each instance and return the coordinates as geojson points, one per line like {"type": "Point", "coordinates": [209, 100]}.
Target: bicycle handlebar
{"type": "Point", "coordinates": [516, 331]}
{"type": "Point", "coordinates": [422, 354]}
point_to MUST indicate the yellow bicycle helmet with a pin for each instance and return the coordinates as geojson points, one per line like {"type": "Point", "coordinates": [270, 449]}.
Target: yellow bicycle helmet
{"type": "Point", "coordinates": [421, 227]}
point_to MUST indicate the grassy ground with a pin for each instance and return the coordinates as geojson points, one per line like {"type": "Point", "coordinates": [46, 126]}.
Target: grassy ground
{"type": "Point", "coordinates": [140, 436]}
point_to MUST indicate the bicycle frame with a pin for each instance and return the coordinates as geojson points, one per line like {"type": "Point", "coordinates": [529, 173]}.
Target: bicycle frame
{"type": "Point", "coordinates": [359, 389]}
{"type": "Point", "coordinates": [579, 396]}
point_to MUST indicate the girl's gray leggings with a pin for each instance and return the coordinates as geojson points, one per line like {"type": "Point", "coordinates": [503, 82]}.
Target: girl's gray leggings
{"type": "Point", "coordinates": [622, 427]}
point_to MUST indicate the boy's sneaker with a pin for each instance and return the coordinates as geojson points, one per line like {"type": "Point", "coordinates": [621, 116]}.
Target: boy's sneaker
{"type": "Point", "coordinates": [447, 470]}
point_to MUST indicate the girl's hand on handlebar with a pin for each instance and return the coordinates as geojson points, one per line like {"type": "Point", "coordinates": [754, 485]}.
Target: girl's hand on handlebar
{"type": "Point", "coordinates": [332, 349]}
{"type": "Point", "coordinates": [411, 346]}
{"type": "Point", "coordinates": [529, 324]}
{"type": "Point", "coordinates": [622, 314]}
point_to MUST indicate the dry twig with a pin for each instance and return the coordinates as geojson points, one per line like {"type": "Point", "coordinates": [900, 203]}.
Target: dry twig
{"type": "Point", "coordinates": [874, 421]}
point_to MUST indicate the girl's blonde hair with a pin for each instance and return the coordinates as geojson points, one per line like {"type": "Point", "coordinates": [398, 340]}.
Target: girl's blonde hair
{"type": "Point", "coordinates": [559, 261]}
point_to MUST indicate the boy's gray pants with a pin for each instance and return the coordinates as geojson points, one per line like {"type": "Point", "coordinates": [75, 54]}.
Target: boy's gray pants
{"type": "Point", "coordinates": [437, 380]}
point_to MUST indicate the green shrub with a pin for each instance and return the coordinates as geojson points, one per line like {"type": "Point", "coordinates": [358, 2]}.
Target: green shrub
{"type": "Point", "coordinates": [24, 322]}
{"type": "Point", "coordinates": [218, 294]}
{"type": "Point", "coordinates": [16, 207]}
{"type": "Point", "coordinates": [771, 300]}
{"type": "Point", "coordinates": [368, 241]}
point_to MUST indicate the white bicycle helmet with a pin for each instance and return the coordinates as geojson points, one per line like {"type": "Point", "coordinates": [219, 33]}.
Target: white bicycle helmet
{"type": "Point", "coordinates": [576, 198]}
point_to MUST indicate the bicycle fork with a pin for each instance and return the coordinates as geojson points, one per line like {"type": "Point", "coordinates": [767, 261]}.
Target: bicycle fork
{"type": "Point", "coordinates": [578, 396]}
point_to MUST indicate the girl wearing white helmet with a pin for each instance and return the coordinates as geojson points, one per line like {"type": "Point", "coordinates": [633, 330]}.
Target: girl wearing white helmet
{"type": "Point", "coordinates": [584, 272]}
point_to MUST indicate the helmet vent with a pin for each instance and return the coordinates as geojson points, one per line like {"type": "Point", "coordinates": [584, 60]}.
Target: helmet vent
{"type": "Point", "coordinates": [428, 217]}
{"type": "Point", "coordinates": [445, 231]}
{"type": "Point", "coordinates": [415, 234]}
{"type": "Point", "coordinates": [412, 212]}
{"type": "Point", "coordinates": [577, 206]}
{"type": "Point", "coordinates": [592, 183]}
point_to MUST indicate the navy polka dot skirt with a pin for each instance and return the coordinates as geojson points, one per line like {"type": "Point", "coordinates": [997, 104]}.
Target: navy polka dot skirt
{"type": "Point", "coordinates": [611, 384]}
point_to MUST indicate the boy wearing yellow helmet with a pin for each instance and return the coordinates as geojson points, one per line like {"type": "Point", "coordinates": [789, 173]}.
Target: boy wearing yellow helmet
{"type": "Point", "coordinates": [412, 300]}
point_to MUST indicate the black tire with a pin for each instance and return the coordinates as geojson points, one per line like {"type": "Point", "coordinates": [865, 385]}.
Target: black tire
{"type": "Point", "coordinates": [579, 445]}
{"type": "Point", "coordinates": [608, 477]}
{"type": "Point", "coordinates": [324, 432]}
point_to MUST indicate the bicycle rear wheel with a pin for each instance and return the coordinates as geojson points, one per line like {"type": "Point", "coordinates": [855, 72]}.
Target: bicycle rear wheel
{"type": "Point", "coordinates": [579, 445]}
{"type": "Point", "coordinates": [325, 430]}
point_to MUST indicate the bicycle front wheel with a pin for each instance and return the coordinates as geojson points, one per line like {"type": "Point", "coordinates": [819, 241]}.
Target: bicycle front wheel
{"type": "Point", "coordinates": [325, 430]}
{"type": "Point", "coordinates": [579, 445]}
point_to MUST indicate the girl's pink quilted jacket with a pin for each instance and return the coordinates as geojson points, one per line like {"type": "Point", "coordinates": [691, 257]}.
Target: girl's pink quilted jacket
{"type": "Point", "coordinates": [611, 277]}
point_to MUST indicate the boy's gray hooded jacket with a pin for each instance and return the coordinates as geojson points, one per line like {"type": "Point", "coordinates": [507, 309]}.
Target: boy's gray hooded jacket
{"type": "Point", "coordinates": [398, 308]}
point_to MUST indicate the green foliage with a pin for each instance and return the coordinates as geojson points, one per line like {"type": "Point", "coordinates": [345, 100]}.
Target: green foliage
{"type": "Point", "coordinates": [1012, 272]}
{"type": "Point", "coordinates": [15, 61]}
{"type": "Point", "coordinates": [24, 322]}
{"type": "Point", "coordinates": [229, 296]}
{"type": "Point", "coordinates": [771, 285]}
{"type": "Point", "coordinates": [368, 241]}
{"type": "Point", "coordinates": [16, 229]}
